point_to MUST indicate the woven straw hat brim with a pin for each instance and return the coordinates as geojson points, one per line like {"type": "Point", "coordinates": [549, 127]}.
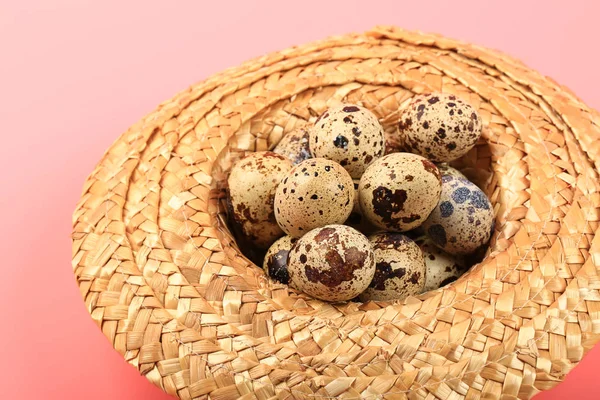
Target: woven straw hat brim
{"type": "Point", "coordinates": [166, 284]}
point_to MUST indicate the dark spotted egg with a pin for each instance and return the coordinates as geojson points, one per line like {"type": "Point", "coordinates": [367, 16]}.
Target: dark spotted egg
{"type": "Point", "coordinates": [350, 135]}
{"type": "Point", "coordinates": [439, 126]}
{"type": "Point", "coordinates": [316, 192]}
{"type": "Point", "coordinates": [442, 268]}
{"type": "Point", "coordinates": [275, 263]}
{"type": "Point", "coordinates": [252, 183]}
{"type": "Point", "coordinates": [400, 268]}
{"type": "Point", "coordinates": [463, 220]}
{"type": "Point", "coordinates": [294, 145]}
{"type": "Point", "coordinates": [332, 263]}
{"type": "Point", "coordinates": [398, 191]}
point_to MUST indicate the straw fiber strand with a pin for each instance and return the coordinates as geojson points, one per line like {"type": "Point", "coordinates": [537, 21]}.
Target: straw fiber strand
{"type": "Point", "coordinates": [162, 277]}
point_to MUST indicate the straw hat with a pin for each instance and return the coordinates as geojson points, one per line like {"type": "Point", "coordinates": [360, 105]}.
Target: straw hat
{"type": "Point", "coordinates": [163, 279]}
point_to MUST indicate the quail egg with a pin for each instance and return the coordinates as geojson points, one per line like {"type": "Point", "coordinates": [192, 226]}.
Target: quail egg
{"type": "Point", "coordinates": [439, 126]}
{"type": "Point", "coordinates": [400, 268]}
{"type": "Point", "coordinates": [316, 192]}
{"type": "Point", "coordinates": [463, 220]}
{"type": "Point", "coordinates": [441, 268]}
{"type": "Point", "coordinates": [350, 135]}
{"type": "Point", "coordinates": [332, 263]}
{"type": "Point", "coordinates": [398, 191]}
{"type": "Point", "coordinates": [275, 263]}
{"type": "Point", "coordinates": [294, 145]}
{"type": "Point", "coordinates": [252, 183]}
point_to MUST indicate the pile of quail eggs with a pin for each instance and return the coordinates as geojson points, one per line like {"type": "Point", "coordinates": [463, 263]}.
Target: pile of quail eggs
{"type": "Point", "coordinates": [341, 219]}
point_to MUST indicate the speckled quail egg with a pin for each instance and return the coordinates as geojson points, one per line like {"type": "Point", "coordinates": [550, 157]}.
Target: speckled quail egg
{"type": "Point", "coordinates": [252, 184]}
{"type": "Point", "coordinates": [332, 263]}
{"type": "Point", "coordinates": [400, 268]}
{"type": "Point", "coordinates": [439, 126]}
{"type": "Point", "coordinates": [398, 191]}
{"type": "Point", "coordinates": [445, 169]}
{"type": "Point", "coordinates": [350, 135]}
{"type": "Point", "coordinates": [316, 192]}
{"type": "Point", "coordinates": [294, 145]}
{"type": "Point", "coordinates": [441, 267]}
{"type": "Point", "coordinates": [463, 220]}
{"type": "Point", "coordinates": [275, 263]}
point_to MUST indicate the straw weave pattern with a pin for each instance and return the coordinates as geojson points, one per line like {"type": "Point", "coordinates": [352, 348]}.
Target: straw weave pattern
{"type": "Point", "coordinates": [163, 279]}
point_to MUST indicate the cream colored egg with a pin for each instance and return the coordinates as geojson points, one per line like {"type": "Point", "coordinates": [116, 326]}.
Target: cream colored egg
{"type": "Point", "coordinates": [332, 263]}
{"type": "Point", "coordinates": [350, 135]}
{"type": "Point", "coordinates": [442, 268]}
{"type": "Point", "coordinates": [252, 183]}
{"type": "Point", "coordinates": [294, 145]}
{"type": "Point", "coordinates": [398, 191]}
{"type": "Point", "coordinates": [275, 263]}
{"type": "Point", "coordinates": [439, 126]}
{"type": "Point", "coordinates": [400, 268]}
{"type": "Point", "coordinates": [463, 220]}
{"type": "Point", "coordinates": [316, 192]}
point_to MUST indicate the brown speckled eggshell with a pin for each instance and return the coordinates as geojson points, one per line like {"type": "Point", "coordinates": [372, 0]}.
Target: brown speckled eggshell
{"type": "Point", "coordinates": [398, 191]}
{"type": "Point", "coordinates": [252, 183]}
{"type": "Point", "coordinates": [294, 145]}
{"type": "Point", "coordinates": [400, 268]}
{"type": "Point", "coordinates": [350, 135]}
{"type": "Point", "coordinates": [275, 263]}
{"type": "Point", "coordinates": [441, 268]}
{"type": "Point", "coordinates": [463, 220]}
{"type": "Point", "coordinates": [332, 263]}
{"type": "Point", "coordinates": [439, 126]}
{"type": "Point", "coordinates": [316, 192]}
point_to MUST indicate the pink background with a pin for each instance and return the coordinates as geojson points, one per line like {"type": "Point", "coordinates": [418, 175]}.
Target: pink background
{"type": "Point", "coordinates": [74, 74]}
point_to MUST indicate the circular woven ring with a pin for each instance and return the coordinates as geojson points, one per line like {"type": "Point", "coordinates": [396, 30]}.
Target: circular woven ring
{"type": "Point", "coordinates": [163, 279]}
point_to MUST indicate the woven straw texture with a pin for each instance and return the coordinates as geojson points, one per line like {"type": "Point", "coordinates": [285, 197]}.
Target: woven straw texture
{"type": "Point", "coordinates": [165, 282]}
